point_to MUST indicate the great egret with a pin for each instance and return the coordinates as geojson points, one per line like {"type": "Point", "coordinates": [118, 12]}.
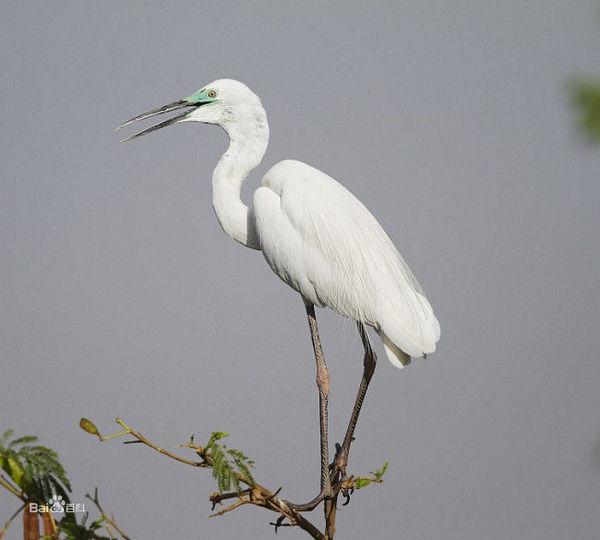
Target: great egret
{"type": "Point", "coordinates": [318, 238]}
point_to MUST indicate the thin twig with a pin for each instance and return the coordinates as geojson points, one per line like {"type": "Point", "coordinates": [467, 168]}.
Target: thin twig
{"type": "Point", "coordinates": [6, 484]}
{"type": "Point", "coordinates": [256, 494]}
{"type": "Point", "coordinates": [10, 520]}
{"type": "Point", "coordinates": [218, 498]}
{"type": "Point", "coordinates": [109, 519]}
{"type": "Point", "coordinates": [154, 446]}
{"type": "Point", "coordinates": [231, 507]}
{"type": "Point", "coordinates": [109, 530]}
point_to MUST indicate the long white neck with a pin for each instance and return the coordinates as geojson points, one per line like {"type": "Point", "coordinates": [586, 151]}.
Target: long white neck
{"type": "Point", "coordinates": [248, 140]}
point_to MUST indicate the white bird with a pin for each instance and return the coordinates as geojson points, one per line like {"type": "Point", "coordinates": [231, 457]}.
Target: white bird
{"type": "Point", "coordinates": [318, 238]}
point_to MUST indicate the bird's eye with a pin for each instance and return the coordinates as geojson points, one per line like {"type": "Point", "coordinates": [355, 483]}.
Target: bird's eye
{"type": "Point", "coordinates": [212, 94]}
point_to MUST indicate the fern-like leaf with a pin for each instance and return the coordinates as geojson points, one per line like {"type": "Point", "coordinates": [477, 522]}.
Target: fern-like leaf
{"type": "Point", "coordinates": [6, 437]}
{"type": "Point", "coordinates": [37, 470]}
{"type": "Point", "coordinates": [243, 464]}
{"type": "Point", "coordinates": [229, 465]}
{"type": "Point", "coordinates": [22, 440]}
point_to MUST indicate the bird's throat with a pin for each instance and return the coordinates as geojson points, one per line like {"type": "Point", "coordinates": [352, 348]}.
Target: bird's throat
{"type": "Point", "coordinates": [246, 150]}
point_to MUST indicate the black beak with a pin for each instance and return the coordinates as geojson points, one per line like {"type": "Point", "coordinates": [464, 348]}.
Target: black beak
{"type": "Point", "coordinates": [181, 104]}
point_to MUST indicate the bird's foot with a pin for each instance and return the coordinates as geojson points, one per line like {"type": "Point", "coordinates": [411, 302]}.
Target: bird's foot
{"type": "Point", "coordinates": [311, 505]}
{"type": "Point", "coordinates": [346, 489]}
{"type": "Point", "coordinates": [347, 494]}
{"type": "Point", "coordinates": [337, 469]}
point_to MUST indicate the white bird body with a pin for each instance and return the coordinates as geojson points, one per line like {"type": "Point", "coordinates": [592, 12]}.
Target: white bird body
{"type": "Point", "coordinates": [325, 244]}
{"type": "Point", "coordinates": [321, 241]}
{"type": "Point", "coordinates": [315, 235]}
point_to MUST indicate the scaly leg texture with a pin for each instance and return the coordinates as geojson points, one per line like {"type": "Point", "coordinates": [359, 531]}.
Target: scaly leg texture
{"type": "Point", "coordinates": [323, 388]}
{"type": "Point", "coordinates": [369, 363]}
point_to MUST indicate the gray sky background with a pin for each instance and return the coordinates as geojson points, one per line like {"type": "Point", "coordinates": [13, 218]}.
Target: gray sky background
{"type": "Point", "coordinates": [122, 297]}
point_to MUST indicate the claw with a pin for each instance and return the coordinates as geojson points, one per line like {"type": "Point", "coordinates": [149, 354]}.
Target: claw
{"type": "Point", "coordinates": [347, 494]}
{"type": "Point", "coordinates": [279, 523]}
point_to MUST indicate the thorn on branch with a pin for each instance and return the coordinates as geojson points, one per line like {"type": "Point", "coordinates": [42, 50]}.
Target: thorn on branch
{"type": "Point", "coordinates": [230, 467]}
{"type": "Point", "coordinates": [110, 520]}
{"type": "Point", "coordinates": [231, 507]}
{"type": "Point", "coordinates": [273, 495]}
{"type": "Point", "coordinates": [218, 498]}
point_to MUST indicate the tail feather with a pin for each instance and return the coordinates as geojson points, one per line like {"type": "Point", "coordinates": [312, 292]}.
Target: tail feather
{"type": "Point", "coordinates": [394, 353]}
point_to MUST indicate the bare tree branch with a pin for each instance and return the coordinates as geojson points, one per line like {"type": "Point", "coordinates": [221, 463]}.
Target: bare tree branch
{"type": "Point", "coordinates": [10, 520]}
{"type": "Point", "coordinates": [6, 484]}
{"type": "Point", "coordinates": [109, 519]}
{"type": "Point", "coordinates": [256, 494]}
{"type": "Point", "coordinates": [231, 507]}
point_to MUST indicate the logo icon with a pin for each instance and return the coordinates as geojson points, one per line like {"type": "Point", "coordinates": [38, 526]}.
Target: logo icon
{"type": "Point", "coordinates": [56, 504]}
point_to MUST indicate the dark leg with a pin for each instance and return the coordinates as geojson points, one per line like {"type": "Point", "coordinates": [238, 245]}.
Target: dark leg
{"type": "Point", "coordinates": [369, 362]}
{"type": "Point", "coordinates": [323, 387]}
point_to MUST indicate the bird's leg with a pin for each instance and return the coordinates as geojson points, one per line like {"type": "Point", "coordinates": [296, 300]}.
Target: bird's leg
{"type": "Point", "coordinates": [369, 362]}
{"type": "Point", "coordinates": [323, 387]}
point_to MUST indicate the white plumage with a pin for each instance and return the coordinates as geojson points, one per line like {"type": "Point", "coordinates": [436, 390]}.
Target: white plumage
{"type": "Point", "coordinates": [315, 235]}
{"type": "Point", "coordinates": [324, 243]}
{"type": "Point", "coordinates": [320, 240]}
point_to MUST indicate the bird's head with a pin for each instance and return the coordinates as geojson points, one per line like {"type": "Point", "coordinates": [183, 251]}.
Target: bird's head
{"type": "Point", "coordinates": [224, 102]}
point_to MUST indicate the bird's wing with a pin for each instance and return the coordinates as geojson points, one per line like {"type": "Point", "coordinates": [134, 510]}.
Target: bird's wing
{"type": "Point", "coordinates": [323, 242]}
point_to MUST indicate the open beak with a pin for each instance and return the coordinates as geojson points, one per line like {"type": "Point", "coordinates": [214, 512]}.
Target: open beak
{"type": "Point", "coordinates": [176, 105]}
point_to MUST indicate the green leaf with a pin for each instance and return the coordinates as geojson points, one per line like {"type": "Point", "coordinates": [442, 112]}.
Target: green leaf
{"type": "Point", "coordinates": [376, 477]}
{"type": "Point", "coordinates": [69, 529]}
{"type": "Point", "coordinates": [380, 472]}
{"type": "Point", "coordinates": [229, 465]}
{"type": "Point", "coordinates": [585, 96]}
{"type": "Point", "coordinates": [360, 482]}
{"type": "Point", "coordinates": [35, 469]}
{"type": "Point", "coordinates": [22, 440]}
{"type": "Point", "coordinates": [97, 524]}
{"type": "Point", "coordinates": [221, 469]}
{"type": "Point", "coordinates": [216, 436]}
{"type": "Point", "coordinates": [15, 470]}
{"type": "Point", "coordinates": [6, 436]}
{"type": "Point", "coordinates": [243, 464]}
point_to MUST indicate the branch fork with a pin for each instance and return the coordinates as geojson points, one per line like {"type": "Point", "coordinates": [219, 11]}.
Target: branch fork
{"type": "Point", "coordinates": [232, 467]}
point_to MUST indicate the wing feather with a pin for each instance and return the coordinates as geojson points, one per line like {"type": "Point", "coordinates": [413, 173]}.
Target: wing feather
{"type": "Point", "coordinates": [322, 241]}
